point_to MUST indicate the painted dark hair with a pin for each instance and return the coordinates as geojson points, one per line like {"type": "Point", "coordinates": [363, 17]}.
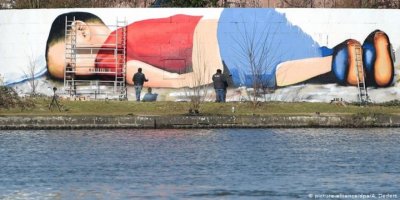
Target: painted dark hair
{"type": "Point", "coordinates": [57, 30]}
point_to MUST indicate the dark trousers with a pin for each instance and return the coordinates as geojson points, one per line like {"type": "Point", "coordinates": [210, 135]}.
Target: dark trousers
{"type": "Point", "coordinates": [138, 90]}
{"type": "Point", "coordinates": [220, 95]}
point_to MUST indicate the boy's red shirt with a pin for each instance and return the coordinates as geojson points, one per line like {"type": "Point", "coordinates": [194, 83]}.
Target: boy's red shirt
{"type": "Point", "coordinates": [165, 43]}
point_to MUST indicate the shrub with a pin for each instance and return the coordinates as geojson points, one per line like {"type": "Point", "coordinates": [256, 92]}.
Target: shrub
{"type": "Point", "coordinates": [10, 99]}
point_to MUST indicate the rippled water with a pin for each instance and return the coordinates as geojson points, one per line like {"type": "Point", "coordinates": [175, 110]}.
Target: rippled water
{"type": "Point", "coordinates": [192, 164]}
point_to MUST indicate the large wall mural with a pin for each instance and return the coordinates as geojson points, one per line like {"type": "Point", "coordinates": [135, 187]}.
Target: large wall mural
{"type": "Point", "coordinates": [296, 54]}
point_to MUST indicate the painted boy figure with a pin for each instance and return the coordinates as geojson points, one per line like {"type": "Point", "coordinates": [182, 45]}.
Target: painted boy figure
{"type": "Point", "coordinates": [173, 49]}
{"type": "Point", "coordinates": [166, 56]}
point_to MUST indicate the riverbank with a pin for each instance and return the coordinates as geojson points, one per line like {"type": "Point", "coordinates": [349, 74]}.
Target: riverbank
{"type": "Point", "coordinates": [128, 114]}
{"type": "Point", "coordinates": [179, 121]}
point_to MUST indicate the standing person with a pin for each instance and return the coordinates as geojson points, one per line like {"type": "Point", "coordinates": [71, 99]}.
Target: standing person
{"type": "Point", "coordinates": [138, 80]}
{"type": "Point", "coordinates": [220, 83]}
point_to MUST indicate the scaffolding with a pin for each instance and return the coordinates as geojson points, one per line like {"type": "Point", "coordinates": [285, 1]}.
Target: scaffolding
{"type": "Point", "coordinates": [82, 74]}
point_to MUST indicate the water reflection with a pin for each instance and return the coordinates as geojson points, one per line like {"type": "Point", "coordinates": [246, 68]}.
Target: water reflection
{"type": "Point", "coordinates": [207, 163]}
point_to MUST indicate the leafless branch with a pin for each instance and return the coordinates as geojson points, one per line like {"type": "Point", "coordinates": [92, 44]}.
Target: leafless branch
{"type": "Point", "coordinates": [255, 50]}
{"type": "Point", "coordinates": [197, 91]}
{"type": "Point", "coordinates": [30, 74]}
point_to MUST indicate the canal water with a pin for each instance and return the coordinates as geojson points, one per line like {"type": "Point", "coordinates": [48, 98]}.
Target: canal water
{"type": "Point", "coordinates": [200, 164]}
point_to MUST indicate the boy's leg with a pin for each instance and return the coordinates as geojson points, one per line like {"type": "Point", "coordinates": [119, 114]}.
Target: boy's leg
{"type": "Point", "coordinates": [296, 71]}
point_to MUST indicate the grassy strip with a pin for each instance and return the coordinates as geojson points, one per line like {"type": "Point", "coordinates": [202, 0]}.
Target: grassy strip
{"type": "Point", "coordinates": [181, 108]}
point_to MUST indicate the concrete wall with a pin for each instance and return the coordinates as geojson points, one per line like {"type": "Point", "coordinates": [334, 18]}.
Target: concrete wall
{"type": "Point", "coordinates": [292, 34]}
{"type": "Point", "coordinates": [273, 121]}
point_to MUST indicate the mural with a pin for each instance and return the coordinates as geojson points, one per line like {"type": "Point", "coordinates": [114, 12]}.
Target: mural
{"type": "Point", "coordinates": [294, 54]}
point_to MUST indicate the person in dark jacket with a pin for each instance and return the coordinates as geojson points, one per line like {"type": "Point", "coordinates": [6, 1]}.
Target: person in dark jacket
{"type": "Point", "coordinates": [220, 85]}
{"type": "Point", "coordinates": [138, 80]}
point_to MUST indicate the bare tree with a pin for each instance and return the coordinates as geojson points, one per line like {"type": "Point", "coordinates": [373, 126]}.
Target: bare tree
{"type": "Point", "coordinates": [380, 4]}
{"type": "Point", "coordinates": [239, 3]}
{"type": "Point", "coordinates": [26, 4]}
{"type": "Point", "coordinates": [6, 4]}
{"type": "Point", "coordinates": [257, 53]}
{"type": "Point", "coordinates": [197, 92]}
{"type": "Point", "coordinates": [297, 3]}
{"type": "Point", "coordinates": [191, 3]}
{"type": "Point", "coordinates": [30, 74]}
{"type": "Point", "coordinates": [254, 4]}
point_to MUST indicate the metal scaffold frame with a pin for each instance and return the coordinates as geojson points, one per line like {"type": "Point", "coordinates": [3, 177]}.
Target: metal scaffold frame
{"type": "Point", "coordinates": [76, 81]}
